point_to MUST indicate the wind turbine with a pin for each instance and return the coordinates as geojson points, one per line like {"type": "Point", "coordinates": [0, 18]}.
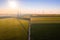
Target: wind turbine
{"type": "Point", "coordinates": [13, 5]}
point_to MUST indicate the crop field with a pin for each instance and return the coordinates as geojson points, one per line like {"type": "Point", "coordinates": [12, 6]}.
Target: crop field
{"type": "Point", "coordinates": [45, 28]}
{"type": "Point", "coordinates": [45, 20]}
{"type": "Point", "coordinates": [41, 28]}
{"type": "Point", "coordinates": [13, 29]}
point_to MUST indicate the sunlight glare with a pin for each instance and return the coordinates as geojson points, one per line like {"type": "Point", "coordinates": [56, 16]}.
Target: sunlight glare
{"type": "Point", "coordinates": [12, 4]}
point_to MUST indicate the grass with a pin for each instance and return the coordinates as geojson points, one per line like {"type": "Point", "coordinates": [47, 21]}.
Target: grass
{"type": "Point", "coordinates": [11, 29]}
{"type": "Point", "coordinates": [45, 28]}
{"type": "Point", "coordinates": [25, 23]}
{"type": "Point", "coordinates": [48, 31]}
{"type": "Point", "coordinates": [45, 20]}
{"type": "Point", "coordinates": [41, 28]}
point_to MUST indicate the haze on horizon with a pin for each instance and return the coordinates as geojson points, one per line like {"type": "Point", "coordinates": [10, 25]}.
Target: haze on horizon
{"type": "Point", "coordinates": [30, 7]}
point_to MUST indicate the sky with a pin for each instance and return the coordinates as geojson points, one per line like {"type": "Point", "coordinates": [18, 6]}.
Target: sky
{"type": "Point", "coordinates": [31, 6]}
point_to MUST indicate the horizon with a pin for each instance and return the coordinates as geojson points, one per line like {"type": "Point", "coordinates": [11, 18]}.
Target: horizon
{"type": "Point", "coordinates": [30, 6]}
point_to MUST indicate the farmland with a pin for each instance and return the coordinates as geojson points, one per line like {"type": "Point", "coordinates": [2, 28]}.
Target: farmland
{"type": "Point", "coordinates": [41, 28]}
{"type": "Point", "coordinates": [45, 28]}
{"type": "Point", "coordinates": [11, 29]}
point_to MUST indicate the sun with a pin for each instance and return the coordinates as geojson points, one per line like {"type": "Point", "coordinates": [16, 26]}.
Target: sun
{"type": "Point", "coordinates": [12, 4]}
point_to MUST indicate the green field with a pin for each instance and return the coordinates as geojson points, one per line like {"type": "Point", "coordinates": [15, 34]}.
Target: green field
{"type": "Point", "coordinates": [45, 31]}
{"type": "Point", "coordinates": [11, 29]}
{"type": "Point", "coordinates": [42, 28]}
{"type": "Point", "coordinates": [45, 28]}
{"type": "Point", "coordinates": [45, 20]}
